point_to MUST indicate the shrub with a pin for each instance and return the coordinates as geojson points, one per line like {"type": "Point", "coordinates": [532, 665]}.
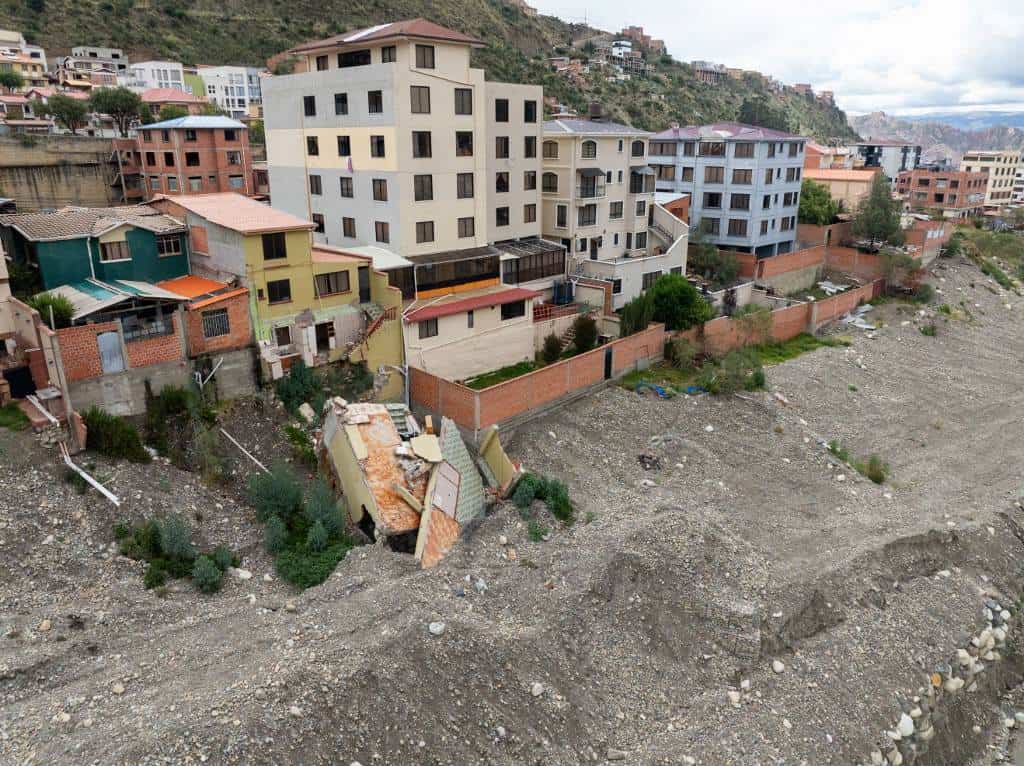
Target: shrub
{"type": "Point", "coordinates": [924, 293]}
{"type": "Point", "coordinates": [874, 469]}
{"type": "Point", "coordinates": [322, 508]}
{"type": "Point", "coordinates": [113, 436]}
{"type": "Point", "coordinates": [584, 333]}
{"type": "Point", "coordinates": [156, 575]}
{"type": "Point", "coordinates": [552, 349]}
{"type": "Point", "coordinates": [680, 353]}
{"type": "Point", "coordinates": [839, 451]}
{"type": "Point", "coordinates": [526, 491]}
{"type": "Point", "coordinates": [298, 386]}
{"type": "Point", "coordinates": [206, 576]}
{"type": "Point", "coordinates": [61, 307]}
{"type": "Point", "coordinates": [556, 497]}
{"type": "Point", "coordinates": [275, 536]}
{"type": "Point", "coordinates": [737, 371]}
{"type": "Point", "coordinates": [635, 315]}
{"type": "Point", "coordinates": [930, 330]}
{"type": "Point", "coordinates": [277, 493]}
{"type": "Point", "coordinates": [142, 543]}
{"type": "Point", "coordinates": [305, 568]}
{"type": "Point", "coordinates": [224, 558]}
{"type": "Point", "coordinates": [677, 303]}
{"type": "Point", "coordinates": [316, 538]}
{"type": "Point", "coordinates": [302, 447]}
{"type": "Point", "coordinates": [536, 531]}
{"type": "Point", "coordinates": [176, 539]}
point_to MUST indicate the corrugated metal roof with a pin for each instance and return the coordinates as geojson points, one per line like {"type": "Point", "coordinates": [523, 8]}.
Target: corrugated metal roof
{"type": "Point", "coordinates": [570, 126]}
{"type": "Point", "coordinates": [729, 131]}
{"type": "Point", "coordinates": [75, 222]}
{"type": "Point", "coordinates": [93, 295]}
{"type": "Point", "coordinates": [383, 260]}
{"type": "Point", "coordinates": [196, 122]}
{"type": "Point", "coordinates": [239, 213]}
{"type": "Point", "coordinates": [462, 305]}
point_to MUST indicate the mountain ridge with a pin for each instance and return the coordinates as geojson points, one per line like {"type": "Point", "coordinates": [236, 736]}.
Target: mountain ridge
{"type": "Point", "coordinates": [938, 140]}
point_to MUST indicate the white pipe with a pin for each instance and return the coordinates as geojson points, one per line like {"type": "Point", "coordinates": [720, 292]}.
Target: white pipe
{"type": "Point", "coordinates": [244, 451]}
{"type": "Point", "coordinates": [105, 492]}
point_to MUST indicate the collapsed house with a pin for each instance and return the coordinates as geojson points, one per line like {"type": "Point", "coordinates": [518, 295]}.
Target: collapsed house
{"type": "Point", "coordinates": [414, 489]}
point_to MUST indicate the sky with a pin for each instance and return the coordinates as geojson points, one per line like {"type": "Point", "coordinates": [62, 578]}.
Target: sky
{"type": "Point", "coordinates": [897, 56]}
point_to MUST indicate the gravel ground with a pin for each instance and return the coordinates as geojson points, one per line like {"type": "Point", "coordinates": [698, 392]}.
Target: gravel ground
{"type": "Point", "coordinates": [647, 631]}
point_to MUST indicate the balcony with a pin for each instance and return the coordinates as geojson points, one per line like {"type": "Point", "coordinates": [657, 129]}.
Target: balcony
{"type": "Point", "coordinates": [591, 191]}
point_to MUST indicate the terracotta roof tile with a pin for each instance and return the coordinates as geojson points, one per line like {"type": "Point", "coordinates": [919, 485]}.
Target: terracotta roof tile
{"type": "Point", "coordinates": [462, 305]}
{"type": "Point", "coordinates": [420, 28]}
{"type": "Point", "coordinates": [239, 213]}
{"type": "Point", "coordinates": [169, 95]}
{"type": "Point", "coordinates": [73, 222]}
{"type": "Point", "coordinates": [840, 174]}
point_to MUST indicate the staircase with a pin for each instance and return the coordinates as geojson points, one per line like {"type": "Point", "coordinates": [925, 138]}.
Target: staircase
{"type": "Point", "coordinates": [568, 336]}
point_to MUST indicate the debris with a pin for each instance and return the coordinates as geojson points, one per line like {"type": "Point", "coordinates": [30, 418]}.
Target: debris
{"type": "Point", "coordinates": [537, 689]}
{"type": "Point", "coordinates": [615, 755]}
{"type": "Point", "coordinates": [103, 490]}
{"type": "Point", "coordinates": [117, 688]}
{"type": "Point", "coordinates": [241, 574]}
{"type": "Point", "coordinates": [244, 451]}
{"type": "Point", "coordinates": [778, 666]}
{"type": "Point", "coordinates": [45, 625]}
{"type": "Point", "coordinates": [709, 429]}
{"type": "Point", "coordinates": [659, 390]}
{"type": "Point", "coordinates": [649, 461]}
{"type": "Point", "coordinates": [307, 412]}
{"type": "Point", "coordinates": [831, 288]}
{"type": "Point", "coordinates": [436, 628]}
{"type": "Point", "coordinates": [295, 712]}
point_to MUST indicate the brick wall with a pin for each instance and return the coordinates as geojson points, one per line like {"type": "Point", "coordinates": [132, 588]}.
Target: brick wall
{"type": "Point", "coordinates": [852, 261]}
{"type": "Point", "coordinates": [789, 262]}
{"type": "Point", "coordinates": [164, 348]}
{"type": "Point", "coordinates": [80, 350]}
{"type": "Point", "coordinates": [239, 336]}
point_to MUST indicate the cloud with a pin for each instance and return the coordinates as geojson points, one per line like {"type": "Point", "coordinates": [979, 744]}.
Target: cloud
{"type": "Point", "coordinates": [886, 55]}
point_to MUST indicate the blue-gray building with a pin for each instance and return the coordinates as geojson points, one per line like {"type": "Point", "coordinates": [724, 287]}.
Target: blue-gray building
{"type": "Point", "coordinates": [743, 182]}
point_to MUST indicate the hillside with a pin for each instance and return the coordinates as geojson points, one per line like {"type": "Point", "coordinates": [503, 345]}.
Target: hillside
{"type": "Point", "coordinates": [248, 32]}
{"type": "Point", "coordinates": [937, 139]}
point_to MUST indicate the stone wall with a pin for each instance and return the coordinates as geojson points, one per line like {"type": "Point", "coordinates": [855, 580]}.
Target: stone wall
{"type": "Point", "coordinates": [53, 171]}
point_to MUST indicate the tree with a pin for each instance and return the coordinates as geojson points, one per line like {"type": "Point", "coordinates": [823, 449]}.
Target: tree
{"type": "Point", "coordinates": [172, 112]}
{"type": "Point", "coordinates": [816, 204]}
{"type": "Point", "coordinates": [677, 304]}
{"type": "Point", "coordinates": [120, 103]}
{"type": "Point", "coordinates": [552, 348]}
{"type": "Point", "coordinates": [257, 135]}
{"type": "Point", "coordinates": [211, 109]}
{"type": "Point", "coordinates": [878, 215]}
{"type": "Point", "coordinates": [584, 333]}
{"type": "Point", "coordinates": [69, 112]}
{"type": "Point", "coordinates": [62, 310]}
{"type": "Point", "coordinates": [757, 110]}
{"type": "Point", "coordinates": [11, 80]}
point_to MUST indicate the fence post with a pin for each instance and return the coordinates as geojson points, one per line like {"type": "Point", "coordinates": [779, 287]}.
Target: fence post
{"type": "Point", "coordinates": [813, 323]}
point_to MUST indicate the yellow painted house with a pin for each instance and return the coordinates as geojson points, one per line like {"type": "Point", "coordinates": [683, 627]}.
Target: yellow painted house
{"type": "Point", "coordinates": [312, 302]}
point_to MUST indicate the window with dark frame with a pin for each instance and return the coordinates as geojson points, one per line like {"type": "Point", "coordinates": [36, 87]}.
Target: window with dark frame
{"type": "Point", "coordinates": [501, 110]}
{"type": "Point", "coordinates": [424, 56]}
{"type": "Point", "coordinates": [216, 323]}
{"type": "Point", "coordinates": [714, 174]}
{"type": "Point", "coordinates": [341, 103]}
{"type": "Point", "coordinates": [423, 187]}
{"type": "Point", "coordinates": [279, 291]}
{"type": "Point", "coordinates": [344, 146]}
{"type": "Point", "coordinates": [315, 186]}
{"type": "Point", "coordinates": [427, 328]}
{"type": "Point", "coordinates": [282, 335]}
{"type": "Point", "coordinates": [274, 246]}
{"type": "Point", "coordinates": [501, 217]}
{"type": "Point", "coordinates": [168, 244]}
{"type": "Point", "coordinates": [743, 150]}
{"type": "Point", "coordinates": [467, 227]}
{"type": "Point", "coordinates": [192, 159]}
{"type": "Point", "coordinates": [463, 101]}
{"type": "Point", "coordinates": [529, 111]}
{"type": "Point", "coordinates": [549, 183]}
{"type": "Point", "coordinates": [501, 147]}
{"type": "Point", "coordinates": [513, 310]}
{"type": "Point", "coordinates": [332, 283]}
{"type": "Point", "coordinates": [115, 251]}
{"type": "Point", "coordinates": [550, 150]}
{"type": "Point", "coordinates": [529, 147]}
{"type": "Point", "coordinates": [463, 143]}
{"type": "Point", "coordinates": [388, 54]}
{"type": "Point", "coordinates": [348, 227]}
{"type": "Point", "coordinates": [312, 146]}
{"type": "Point", "coordinates": [380, 189]}
{"type": "Point", "coordinates": [419, 102]}
{"type": "Point", "coordinates": [424, 231]}
{"type": "Point", "coordinates": [318, 221]}
{"type": "Point", "coordinates": [529, 180]}
{"type": "Point", "coordinates": [345, 185]}
{"type": "Point", "coordinates": [588, 150]}
{"type": "Point", "coordinates": [375, 102]}
{"type": "Point", "coordinates": [615, 210]}
{"type": "Point", "coordinates": [501, 184]}
{"type": "Point", "coordinates": [529, 213]}
{"type": "Point", "coordinates": [745, 177]}
{"type": "Point", "coordinates": [561, 216]}
{"type": "Point", "coordinates": [464, 185]}
{"type": "Point", "coordinates": [421, 144]}
{"type": "Point", "coordinates": [737, 227]}
{"type": "Point", "coordinates": [382, 231]}
{"type": "Point", "coordinates": [354, 58]}
{"type": "Point", "coordinates": [739, 202]}
{"type": "Point", "coordinates": [637, 149]}
{"type": "Point", "coordinates": [169, 159]}
{"type": "Point", "coordinates": [376, 146]}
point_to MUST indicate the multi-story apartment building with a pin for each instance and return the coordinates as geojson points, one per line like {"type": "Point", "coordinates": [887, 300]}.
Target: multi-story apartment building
{"type": "Point", "coordinates": [387, 137]}
{"type": "Point", "coordinates": [155, 99]}
{"type": "Point", "coordinates": [708, 73]}
{"type": "Point", "coordinates": [743, 182]}
{"type": "Point", "coordinates": [1017, 197]}
{"type": "Point", "coordinates": [957, 194]}
{"type": "Point", "coordinates": [91, 57]}
{"type": "Point", "coordinates": [235, 89]}
{"type": "Point", "coordinates": [1002, 171]}
{"type": "Point", "coordinates": [192, 155]}
{"type": "Point", "coordinates": [893, 157]}
{"type": "Point", "coordinates": [145, 75]}
{"type": "Point", "coordinates": [14, 45]}
{"type": "Point", "coordinates": [598, 196]}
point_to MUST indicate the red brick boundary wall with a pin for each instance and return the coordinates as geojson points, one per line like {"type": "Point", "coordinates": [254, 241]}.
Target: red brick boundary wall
{"type": "Point", "coordinates": [477, 410]}
{"type": "Point", "coordinates": [239, 330]}
{"type": "Point", "coordinates": [80, 351]}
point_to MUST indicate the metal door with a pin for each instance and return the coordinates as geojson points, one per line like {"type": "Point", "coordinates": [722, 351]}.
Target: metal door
{"type": "Point", "coordinates": [111, 358]}
{"type": "Point", "coordinates": [364, 284]}
{"type": "Point", "coordinates": [608, 362]}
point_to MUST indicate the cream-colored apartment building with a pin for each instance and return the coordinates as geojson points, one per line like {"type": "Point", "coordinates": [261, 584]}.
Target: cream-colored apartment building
{"type": "Point", "coordinates": [598, 200]}
{"type": "Point", "coordinates": [1001, 168]}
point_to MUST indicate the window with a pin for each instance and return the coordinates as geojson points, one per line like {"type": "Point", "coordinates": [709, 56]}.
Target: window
{"type": "Point", "coordinates": [428, 328]}
{"type": "Point", "coordinates": [550, 150]}
{"type": "Point", "coordinates": [530, 213]}
{"type": "Point", "coordinates": [315, 186]}
{"type": "Point", "coordinates": [229, 135]}
{"type": "Point", "coordinates": [744, 150]}
{"type": "Point", "coordinates": [641, 207]}
{"type": "Point", "coordinates": [348, 227]}
{"type": "Point", "coordinates": [771, 150]}
{"type": "Point", "coordinates": [195, 183]}
{"type": "Point", "coordinates": [463, 143]}
{"type": "Point", "coordinates": [423, 187]}
{"type": "Point", "coordinates": [787, 224]}
{"type": "Point", "coordinates": [215, 323]}
{"type": "Point", "coordinates": [529, 111]}
{"type": "Point", "coordinates": [353, 58]}
{"type": "Point", "coordinates": [464, 185]}
{"type": "Point", "coordinates": [663, 148]}
{"type": "Point", "coordinates": [527, 268]}
{"type": "Point", "coordinates": [344, 146]}
{"type": "Point", "coordinates": [341, 103]}
{"type": "Point", "coordinates": [649, 279]}
{"type": "Point", "coordinates": [376, 146]}
{"type": "Point", "coordinates": [501, 217]}
{"type": "Point", "coordinates": [641, 240]}
{"type": "Point", "coordinates": [192, 159]}
{"type": "Point", "coordinates": [513, 310]}
{"type": "Point", "coordinates": [712, 199]}
{"type": "Point", "coordinates": [380, 189]}
{"type": "Point", "coordinates": [710, 225]}
{"type": "Point", "coordinates": [151, 159]}
{"type": "Point", "coordinates": [615, 210]}
{"type": "Point", "coordinates": [501, 110]}
{"type": "Point", "coordinates": [766, 202]}
{"type": "Point", "coordinates": [190, 135]}
{"type": "Point", "coordinates": [714, 174]}
{"type": "Point", "coordinates": [283, 335]}
{"type": "Point", "coordinates": [587, 215]}
{"type": "Point", "coordinates": [279, 291]}
{"type": "Point", "coordinates": [346, 186]}
{"type": "Point", "coordinates": [764, 227]}
{"type": "Point", "coordinates": [318, 220]}
{"type": "Point", "coordinates": [168, 244]}
{"type": "Point", "coordinates": [768, 175]}
{"type": "Point", "coordinates": [115, 251]}
{"type": "Point", "coordinates": [549, 183]}
{"type": "Point", "coordinates": [274, 246]}
{"type": "Point", "coordinates": [424, 56]}
{"type": "Point", "coordinates": [169, 159]}
{"type": "Point", "coordinates": [154, 182]}
{"type": "Point", "coordinates": [739, 202]}
{"type": "Point", "coordinates": [234, 158]}
{"type": "Point", "coordinates": [420, 99]}
{"type": "Point", "coordinates": [637, 149]}
{"type": "Point", "coordinates": [467, 227]}
{"type": "Point", "coordinates": [712, 149]}
{"type": "Point", "coordinates": [688, 147]}
{"type": "Point", "coordinates": [382, 231]}
{"type": "Point", "coordinates": [501, 147]}
{"type": "Point", "coordinates": [421, 144]}
{"type": "Point", "coordinates": [589, 150]}
{"type": "Point", "coordinates": [561, 216]}
{"type": "Point", "coordinates": [424, 231]}
{"type": "Point", "coordinates": [388, 54]}
{"type": "Point", "coordinates": [529, 147]}
{"type": "Point", "coordinates": [742, 176]}
{"type": "Point", "coordinates": [147, 136]}
{"type": "Point", "coordinates": [529, 180]}
{"type": "Point", "coordinates": [581, 245]}
{"type": "Point", "coordinates": [375, 102]}
{"type": "Point", "coordinates": [665, 172]}
{"type": "Point", "coordinates": [331, 283]}
{"type": "Point", "coordinates": [501, 182]}
{"type": "Point", "coordinates": [687, 176]}
{"type": "Point", "coordinates": [793, 149]}
{"type": "Point", "coordinates": [616, 287]}
{"type": "Point", "coordinates": [737, 227]}
{"type": "Point", "coordinates": [463, 101]}
{"type": "Point", "coordinates": [312, 146]}
{"type": "Point", "coordinates": [791, 174]}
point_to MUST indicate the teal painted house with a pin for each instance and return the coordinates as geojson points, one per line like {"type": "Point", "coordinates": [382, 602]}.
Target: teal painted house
{"type": "Point", "coordinates": [69, 245]}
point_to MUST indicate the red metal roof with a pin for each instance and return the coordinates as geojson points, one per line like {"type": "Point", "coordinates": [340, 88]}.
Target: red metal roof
{"type": "Point", "coordinates": [170, 95]}
{"type": "Point", "coordinates": [463, 305]}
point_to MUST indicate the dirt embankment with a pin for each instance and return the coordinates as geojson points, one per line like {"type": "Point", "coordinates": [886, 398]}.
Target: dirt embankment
{"type": "Point", "coordinates": [647, 631]}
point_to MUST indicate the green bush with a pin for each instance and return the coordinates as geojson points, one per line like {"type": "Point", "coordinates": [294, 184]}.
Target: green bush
{"type": "Point", "coordinates": [552, 349]}
{"type": "Point", "coordinates": [176, 539]}
{"type": "Point", "coordinates": [635, 315]}
{"type": "Point", "coordinates": [930, 330]}
{"type": "Point", "coordinates": [156, 575]}
{"type": "Point", "coordinates": [298, 386]}
{"type": "Point", "coordinates": [277, 493]}
{"type": "Point", "coordinates": [275, 535]}
{"type": "Point", "coordinates": [553, 492]}
{"type": "Point", "coordinates": [305, 568]}
{"type": "Point", "coordinates": [526, 491]}
{"type": "Point", "coordinates": [677, 303]}
{"type": "Point", "coordinates": [874, 469]}
{"type": "Point", "coordinates": [224, 558]}
{"type": "Point", "coordinates": [113, 436]}
{"type": "Point", "coordinates": [302, 447]}
{"type": "Point", "coordinates": [322, 508]}
{"type": "Point", "coordinates": [536, 531]}
{"type": "Point", "coordinates": [142, 542]}
{"type": "Point", "coordinates": [680, 353]}
{"type": "Point", "coordinates": [737, 371]}
{"type": "Point", "coordinates": [206, 576]}
{"type": "Point", "coordinates": [62, 309]}
{"type": "Point", "coordinates": [316, 538]}
{"type": "Point", "coordinates": [584, 333]}
{"type": "Point", "coordinates": [924, 293]}
{"type": "Point", "coordinates": [839, 451]}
